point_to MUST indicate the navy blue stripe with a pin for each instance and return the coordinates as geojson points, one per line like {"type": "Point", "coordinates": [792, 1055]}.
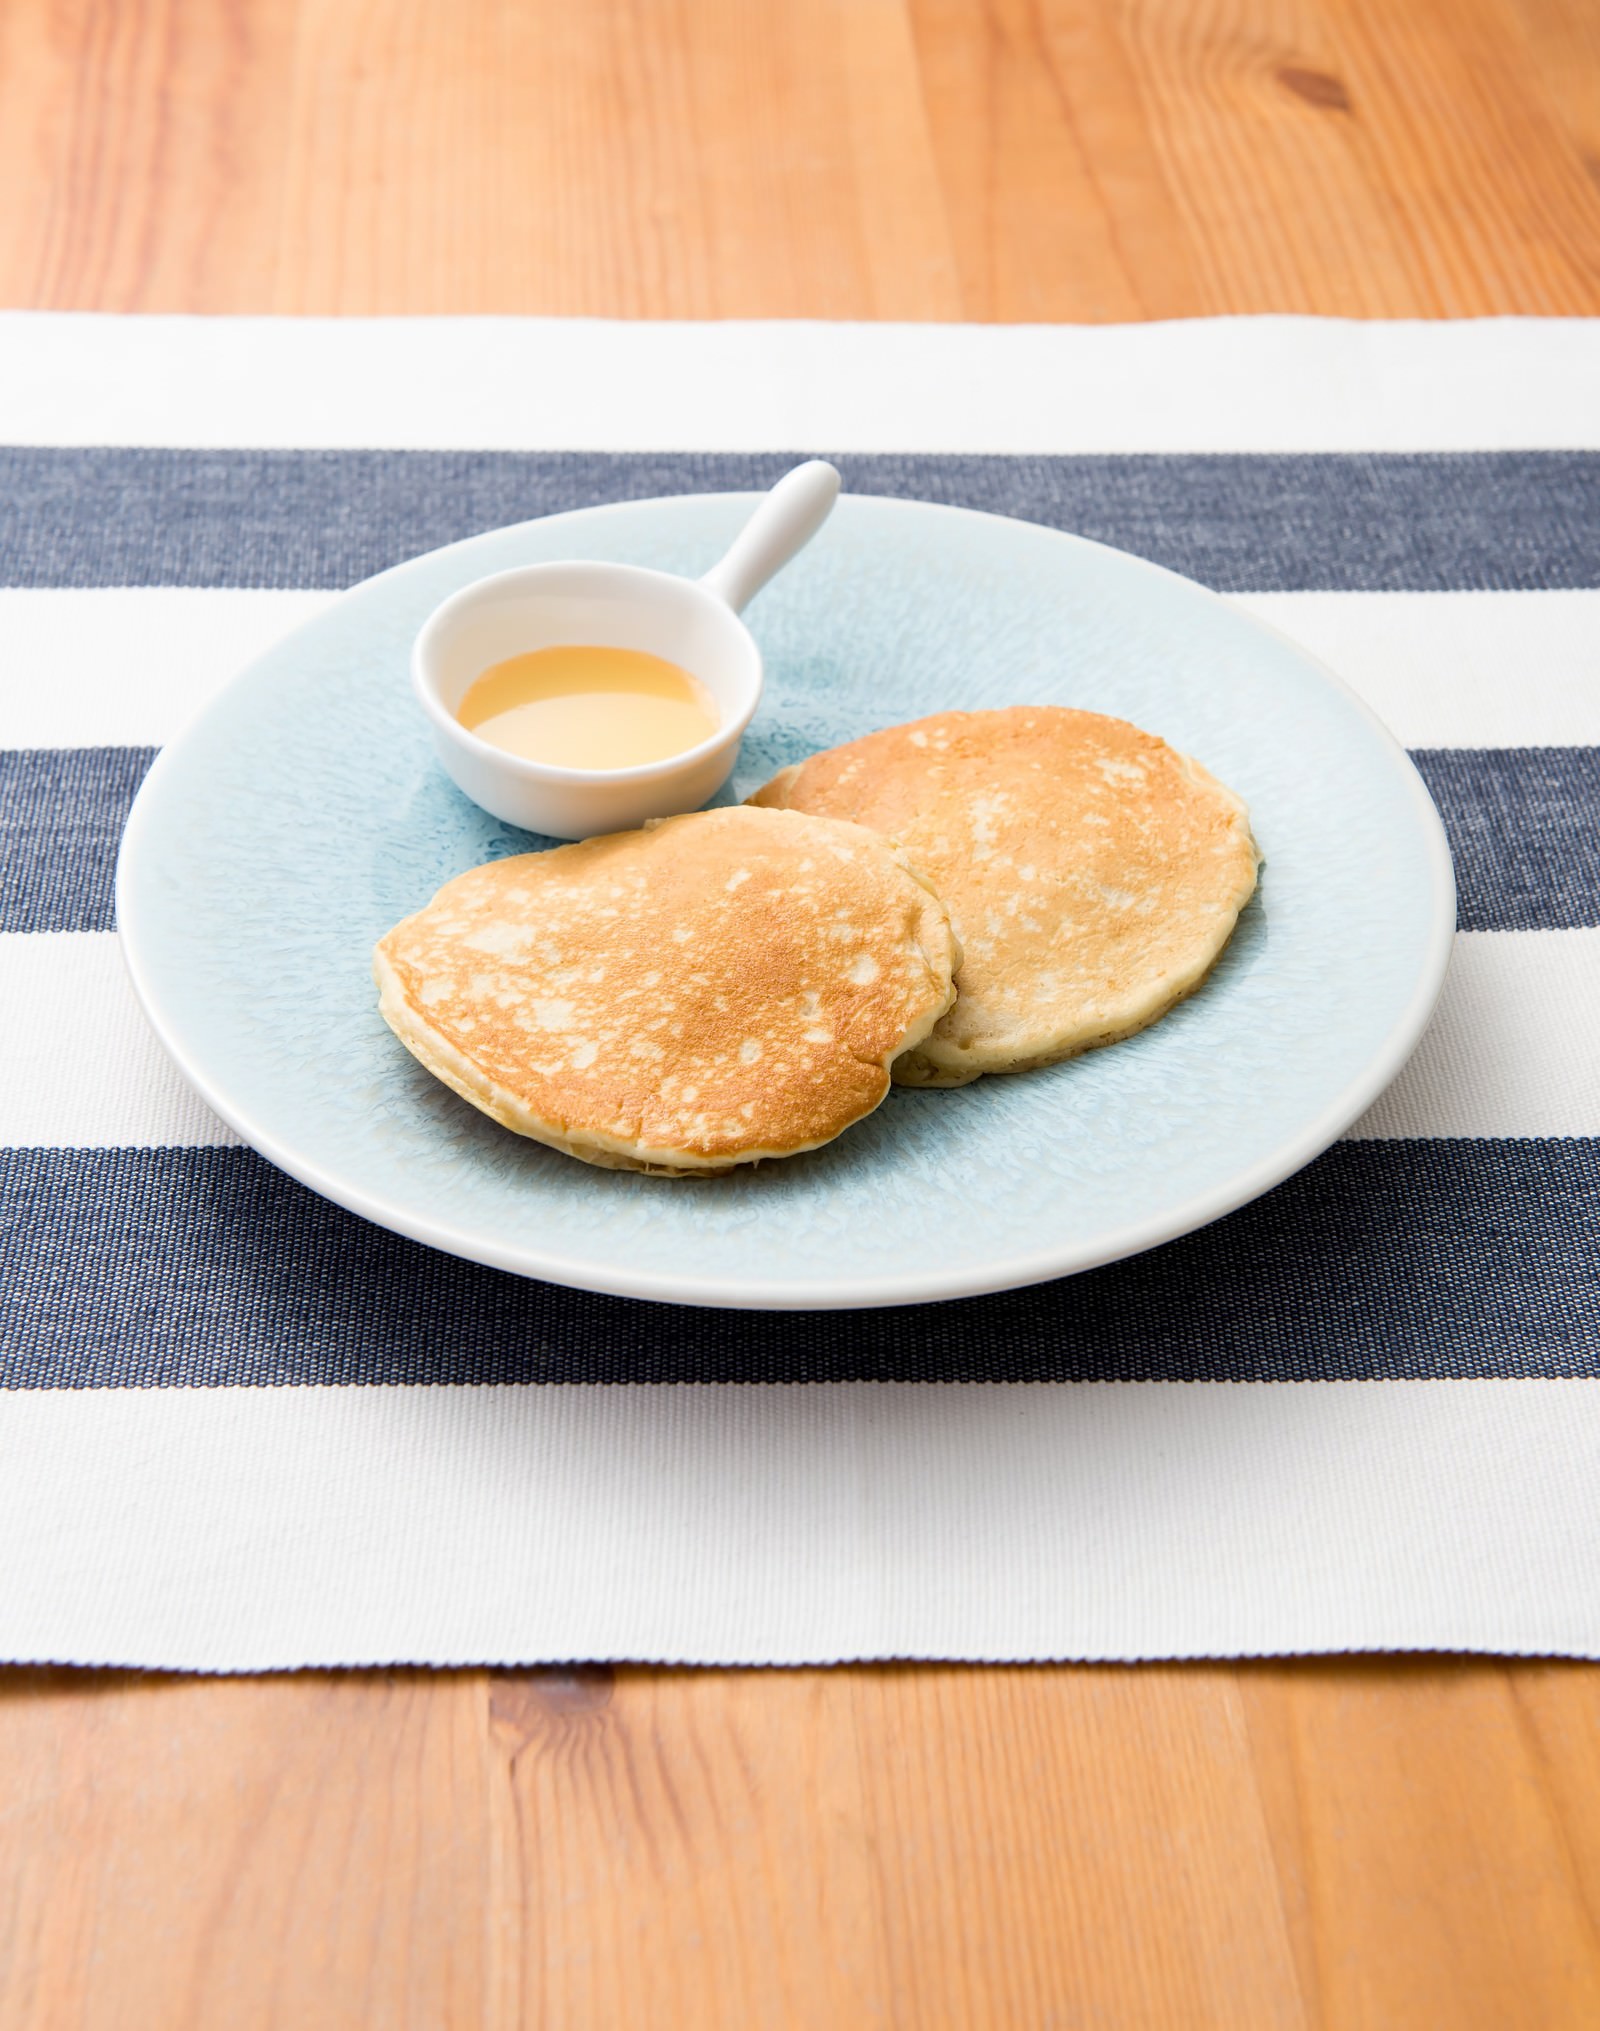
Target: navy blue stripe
{"type": "Point", "coordinates": [206, 1268]}
{"type": "Point", "coordinates": [62, 811]}
{"type": "Point", "coordinates": [1359, 522]}
{"type": "Point", "coordinates": [1524, 826]}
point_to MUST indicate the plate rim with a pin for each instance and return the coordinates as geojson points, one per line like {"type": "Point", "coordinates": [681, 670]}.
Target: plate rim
{"type": "Point", "coordinates": [853, 1294]}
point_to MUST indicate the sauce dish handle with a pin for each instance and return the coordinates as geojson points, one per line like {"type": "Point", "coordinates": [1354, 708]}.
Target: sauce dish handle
{"type": "Point", "coordinates": [779, 529]}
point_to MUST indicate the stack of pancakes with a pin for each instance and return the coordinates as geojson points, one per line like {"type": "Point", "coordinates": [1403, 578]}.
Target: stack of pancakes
{"type": "Point", "coordinates": [976, 892]}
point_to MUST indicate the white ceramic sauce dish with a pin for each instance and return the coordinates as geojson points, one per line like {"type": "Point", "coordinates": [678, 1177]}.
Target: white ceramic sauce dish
{"type": "Point", "coordinates": [691, 622]}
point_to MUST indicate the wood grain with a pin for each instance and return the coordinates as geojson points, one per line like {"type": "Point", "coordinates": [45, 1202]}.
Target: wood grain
{"type": "Point", "coordinates": [1004, 159]}
{"type": "Point", "coordinates": [1311, 1845]}
{"type": "Point", "coordinates": [1327, 1845]}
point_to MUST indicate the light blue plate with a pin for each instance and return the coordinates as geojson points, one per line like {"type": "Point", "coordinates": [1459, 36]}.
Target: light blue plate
{"type": "Point", "coordinates": [303, 814]}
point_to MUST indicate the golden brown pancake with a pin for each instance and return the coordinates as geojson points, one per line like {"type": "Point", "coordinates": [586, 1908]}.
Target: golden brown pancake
{"type": "Point", "coordinates": [710, 991]}
{"type": "Point", "coordinates": [1092, 872]}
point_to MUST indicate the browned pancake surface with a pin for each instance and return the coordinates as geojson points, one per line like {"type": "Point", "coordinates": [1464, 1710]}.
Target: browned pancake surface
{"type": "Point", "coordinates": [710, 990]}
{"type": "Point", "coordinates": [1092, 872]}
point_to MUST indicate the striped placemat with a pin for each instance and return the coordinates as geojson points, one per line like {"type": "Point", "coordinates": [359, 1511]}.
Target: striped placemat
{"type": "Point", "coordinates": [189, 1474]}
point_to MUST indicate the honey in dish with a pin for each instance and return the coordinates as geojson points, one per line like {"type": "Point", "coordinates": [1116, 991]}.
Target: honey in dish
{"type": "Point", "coordinates": [589, 708]}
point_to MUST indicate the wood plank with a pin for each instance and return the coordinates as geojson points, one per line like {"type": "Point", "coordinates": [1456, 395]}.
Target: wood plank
{"type": "Point", "coordinates": [1072, 1847]}
{"type": "Point", "coordinates": [302, 1852]}
{"type": "Point", "coordinates": [1423, 1814]}
{"type": "Point", "coordinates": [1357, 158]}
{"type": "Point", "coordinates": [682, 1849]}
{"type": "Point", "coordinates": [1007, 159]}
{"type": "Point", "coordinates": [140, 149]}
{"type": "Point", "coordinates": [1563, 39]}
{"type": "Point", "coordinates": [1316, 1844]}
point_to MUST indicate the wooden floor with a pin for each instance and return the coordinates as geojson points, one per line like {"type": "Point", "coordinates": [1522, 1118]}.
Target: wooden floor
{"type": "Point", "coordinates": [1324, 1844]}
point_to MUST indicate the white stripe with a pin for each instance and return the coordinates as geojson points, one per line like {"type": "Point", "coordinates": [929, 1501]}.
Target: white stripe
{"type": "Point", "coordinates": [1510, 1050]}
{"type": "Point", "coordinates": [262, 1529]}
{"type": "Point", "coordinates": [1218, 384]}
{"type": "Point", "coordinates": [82, 1067]}
{"type": "Point", "coordinates": [1443, 669]}
{"type": "Point", "coordinates": [121, 667]}
{"type": "Point", "coordinates": [1458, 669]}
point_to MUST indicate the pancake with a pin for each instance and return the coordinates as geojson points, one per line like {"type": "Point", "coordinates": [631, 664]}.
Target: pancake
{"type": "Point", "coordinates": [712, 990]}
{"type": "Point", "coordinates": [1092, 872]}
